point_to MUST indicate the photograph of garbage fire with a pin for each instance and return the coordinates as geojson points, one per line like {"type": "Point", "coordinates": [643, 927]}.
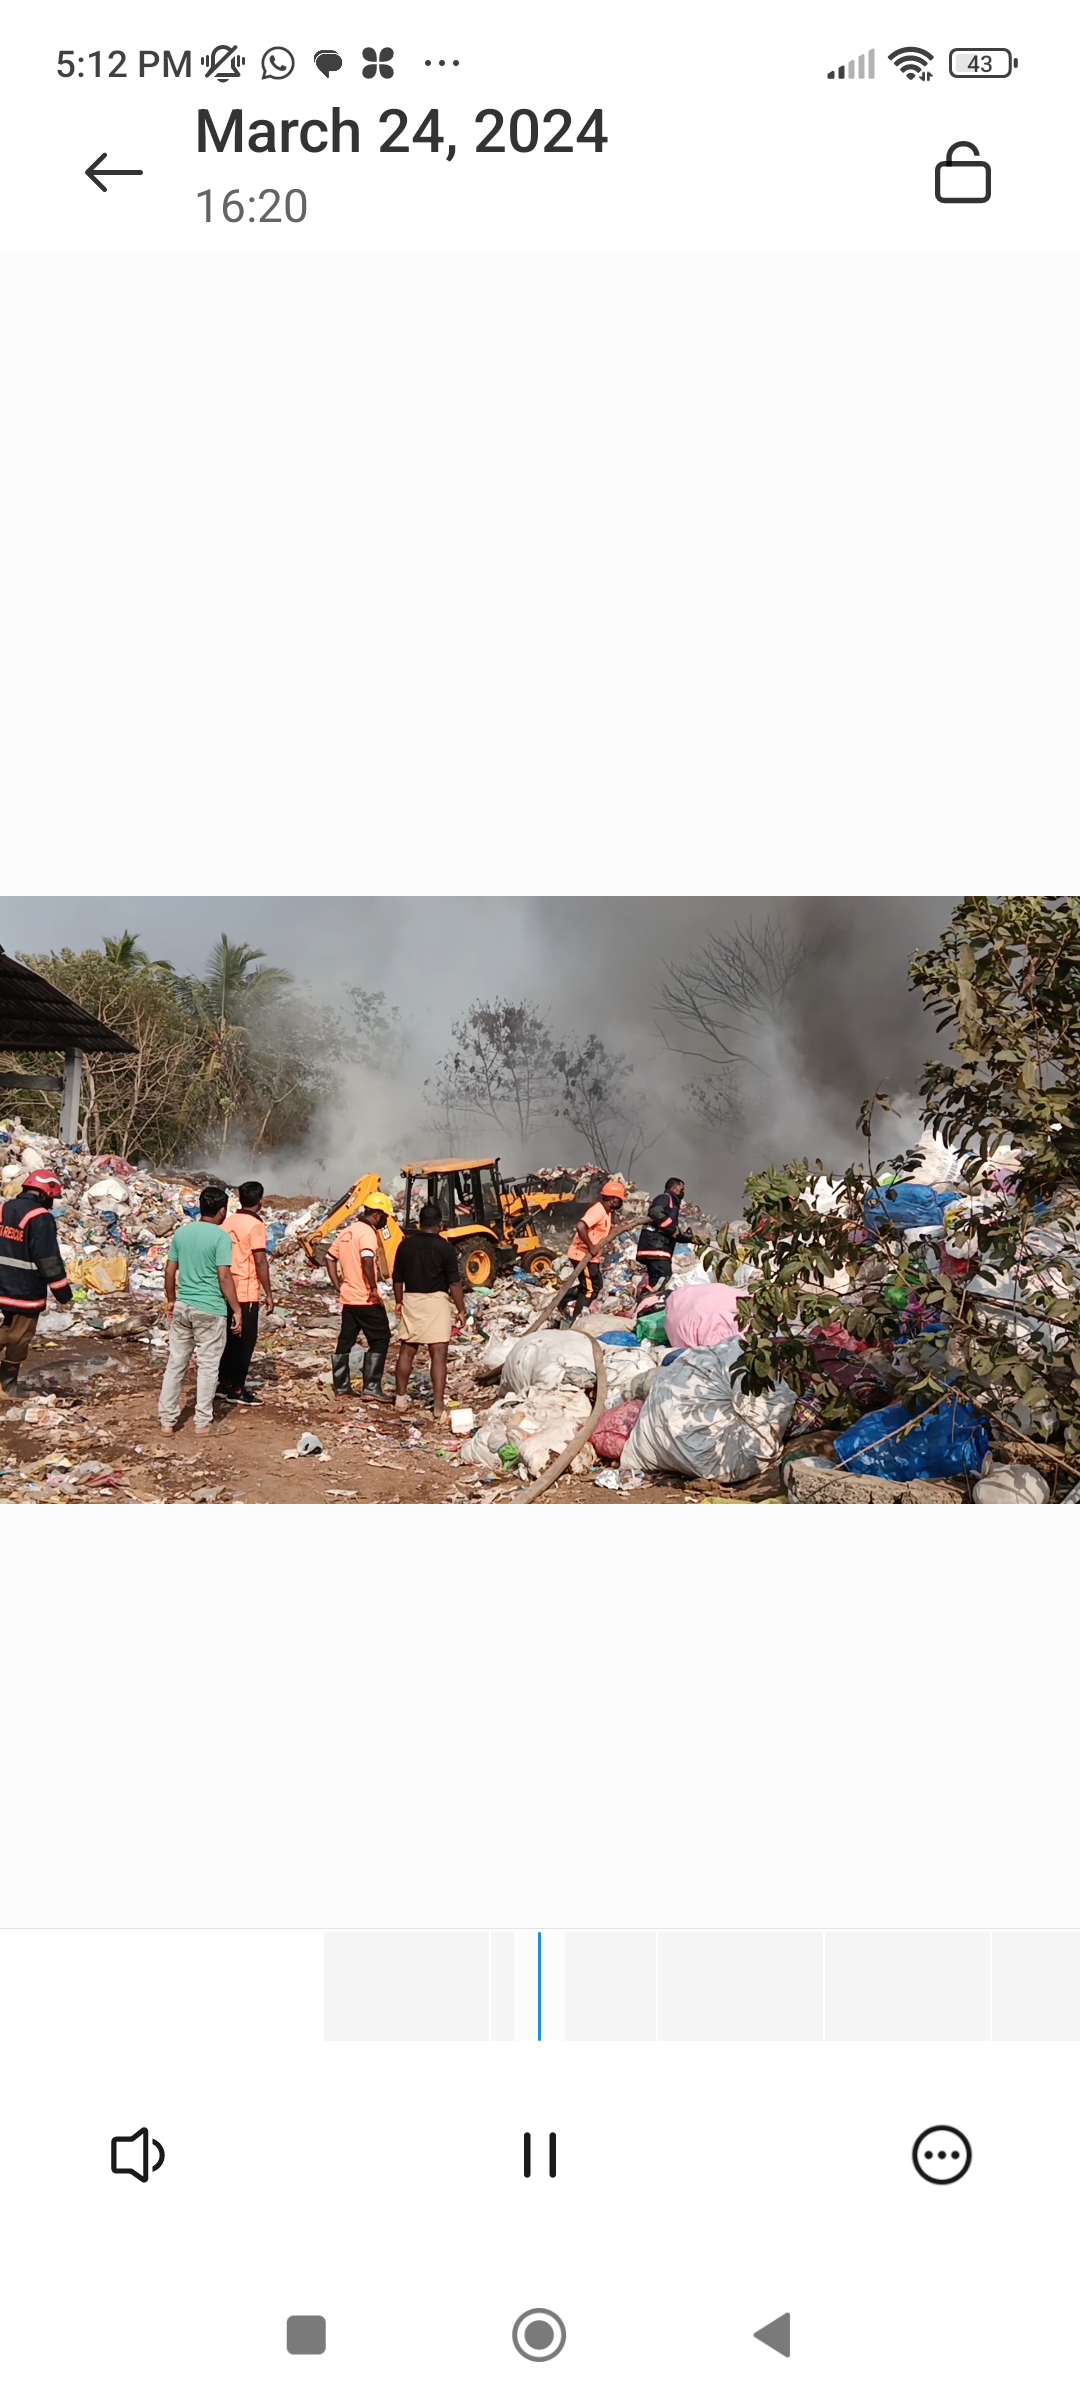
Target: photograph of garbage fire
{"type": "Point", "coordinates": [483, 1202]}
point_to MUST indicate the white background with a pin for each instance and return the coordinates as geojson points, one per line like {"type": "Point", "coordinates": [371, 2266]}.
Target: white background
{"type": "Point", "coordinates": [724, 132]}
{"type": "Point", "coordinates": [215, 1718]}
{"type": "Point", "coordinates": [446, 575]}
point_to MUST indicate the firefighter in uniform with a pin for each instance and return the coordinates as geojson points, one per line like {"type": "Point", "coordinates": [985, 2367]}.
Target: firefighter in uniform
{"type": "Point", "coordinates": [30, 1268]}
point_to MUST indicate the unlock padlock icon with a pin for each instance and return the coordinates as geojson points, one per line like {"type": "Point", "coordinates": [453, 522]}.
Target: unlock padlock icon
{"type": "Point", "coordinates": [957, 178]}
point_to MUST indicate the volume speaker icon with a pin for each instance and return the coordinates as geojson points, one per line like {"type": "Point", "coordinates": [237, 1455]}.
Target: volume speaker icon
{"type": "Point", "coordinates": [129, 2154]}
{"type": "Point", "coordinates": [855, 70]}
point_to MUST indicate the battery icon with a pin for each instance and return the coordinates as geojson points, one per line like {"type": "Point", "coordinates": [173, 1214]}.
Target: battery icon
{"type": "Point", "coordinates": [982, 62]}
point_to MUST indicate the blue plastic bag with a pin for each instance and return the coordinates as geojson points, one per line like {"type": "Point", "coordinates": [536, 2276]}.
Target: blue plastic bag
{"type": "Point", "coordinates": [619, 1341]}
{"type": "Point", "coordinates": [953, 1441]}
{"type": "Point", "coordinates": [905, 1205]}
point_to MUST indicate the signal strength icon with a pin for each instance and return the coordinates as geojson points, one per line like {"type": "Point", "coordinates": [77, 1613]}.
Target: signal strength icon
{"type": "Point", "coordinates": [855, 70]}
{"type": "Point", "coordinates": [913, 62]}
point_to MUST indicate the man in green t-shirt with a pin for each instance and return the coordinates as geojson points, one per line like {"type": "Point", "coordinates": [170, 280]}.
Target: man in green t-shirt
{"type": "Point", "coordinates": [202, 1301]}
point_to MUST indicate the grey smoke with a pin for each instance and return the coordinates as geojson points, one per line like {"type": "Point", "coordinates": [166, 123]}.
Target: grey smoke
{"type": "Point", "coordinates": [592, 965]}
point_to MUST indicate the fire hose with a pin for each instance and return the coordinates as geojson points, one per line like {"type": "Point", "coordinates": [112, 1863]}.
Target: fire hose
{"type": "Point", "coordinates": [533, 1491]}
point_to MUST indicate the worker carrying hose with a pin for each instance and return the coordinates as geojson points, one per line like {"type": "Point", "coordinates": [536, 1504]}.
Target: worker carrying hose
{"type": "Point", "coordinates": [658, 1236]}
{"type": "Point", "coordinates": [590, 1234]}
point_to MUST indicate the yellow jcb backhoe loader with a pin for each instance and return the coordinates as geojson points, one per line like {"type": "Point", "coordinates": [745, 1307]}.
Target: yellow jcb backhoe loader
{"type": "Point", "coordinates": [490, 1222]}
{"type": "Point", "coordinates": [316, 1241]}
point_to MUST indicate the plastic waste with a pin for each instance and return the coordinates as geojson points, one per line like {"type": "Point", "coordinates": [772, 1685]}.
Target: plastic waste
{"type": "Point", "coordinates": [554, 1434]}
{"type": "Point", "coordinates": [1013, 1485]}
{"type": "Point", "coordinates": [462, 1420]}
{"type": "Point", "coordinates": [698, 1421]}
{"type": "Point", "coordinates": [308, 1446]}
{"type": "Point", "coordinates": [100, 1273]}
{"type": "Point", "coordinates": [903, 1205]}
{"type": "Point", "coordinates": [953, 1441]}
{"type": "Point", "coordinates": [700, 1314]}
{"type": "Point", "coordinates": [618, 1479]}
{"type": "Point", "coordinates": [610, 1436]}
{"type": "Point", "coordinates": [652, 1328]}
{"type": "Point", "coordinates": [542, 1361]}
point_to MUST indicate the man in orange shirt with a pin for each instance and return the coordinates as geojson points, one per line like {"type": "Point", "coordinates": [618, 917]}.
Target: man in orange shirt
{"type": "Point", "coordinates": [251, 1275]}
{"type": "Point", "coordinates": [352, 1263]}
{"type": "Point", "coordinates": [590, 1235]}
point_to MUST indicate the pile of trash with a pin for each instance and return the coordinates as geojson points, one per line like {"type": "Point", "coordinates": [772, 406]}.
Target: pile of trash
{"type": "Point", "coordinates": [523, 1387]}
{"type": "Point", "coordinates": [114, 1224]}
{"type": "Point", "coordinates": [676, 1405]}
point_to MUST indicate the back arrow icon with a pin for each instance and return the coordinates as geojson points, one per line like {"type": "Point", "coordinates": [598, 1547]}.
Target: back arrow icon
{"type": "Point", "coordinates": [99, 168]}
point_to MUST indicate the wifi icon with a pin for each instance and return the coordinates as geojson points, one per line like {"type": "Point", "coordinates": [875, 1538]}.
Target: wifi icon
{"type": "Point", "coordinates": [913, 62]}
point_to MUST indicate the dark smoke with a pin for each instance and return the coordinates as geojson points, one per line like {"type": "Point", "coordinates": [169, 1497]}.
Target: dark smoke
{"type": "Point", "coordinates": [594, 965]}
{"type": "Point", "coordinates": [857, 1025]}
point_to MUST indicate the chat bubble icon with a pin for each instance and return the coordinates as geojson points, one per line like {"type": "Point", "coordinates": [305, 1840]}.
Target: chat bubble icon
{"type": "Point", "coordinates": [277, 63]}
{"type": "Point", "coordinates": [328, 61]}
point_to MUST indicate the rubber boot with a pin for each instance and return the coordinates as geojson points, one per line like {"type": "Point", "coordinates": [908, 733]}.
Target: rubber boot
{"type": "Point", "coordinates": [341, 1373]}
{"type": "Point", "coordinates": [374, 1365]}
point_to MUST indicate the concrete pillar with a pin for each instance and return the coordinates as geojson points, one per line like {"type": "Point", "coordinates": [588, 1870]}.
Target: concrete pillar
{"type": "Point", "coordinates": [69, 1105]}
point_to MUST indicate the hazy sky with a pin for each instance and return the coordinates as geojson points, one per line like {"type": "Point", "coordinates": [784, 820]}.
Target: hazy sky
{"type": "Point", "coordinates": [593, 965]}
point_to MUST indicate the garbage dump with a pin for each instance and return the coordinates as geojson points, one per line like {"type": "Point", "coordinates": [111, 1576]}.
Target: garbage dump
{"type": "Point", "coordinates": [868, 1338]}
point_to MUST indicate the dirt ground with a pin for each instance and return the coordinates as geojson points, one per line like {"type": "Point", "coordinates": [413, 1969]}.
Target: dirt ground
{"type": "Point", "coordinates": [95, 1438]}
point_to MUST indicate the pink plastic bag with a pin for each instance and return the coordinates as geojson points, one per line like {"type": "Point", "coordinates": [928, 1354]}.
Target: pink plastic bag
{"type": "Point", "coordinates": [615, 1428]}
{"type": "Point", "coordinates": [698, 1316]}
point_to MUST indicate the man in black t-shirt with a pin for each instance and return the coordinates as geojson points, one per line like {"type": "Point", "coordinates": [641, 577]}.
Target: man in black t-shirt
{"type": "Point", "coordinates": [428, 1296]}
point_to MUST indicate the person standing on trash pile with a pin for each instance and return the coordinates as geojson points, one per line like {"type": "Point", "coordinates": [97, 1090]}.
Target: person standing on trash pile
{"type": "Point", "coordinates": [30, 1268]}
{"type": "Point", "coordinates": [352, 1264]}
{"type": "Point", "coordinates": [659, 1234]}
{"type": "Point", "coordinates": [429, 1297]}
{"type": "Point", "coordinates": [590, 1234]}
{"type": "Point", "coordinates": [251, 1275]}
{"type": "Point", "coordinates": [202, 1305]}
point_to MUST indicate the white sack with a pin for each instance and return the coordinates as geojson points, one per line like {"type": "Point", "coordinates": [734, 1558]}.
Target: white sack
{"type": "Point", "coordinates": [1011, 1485]}
{"type": "Point", "coordinates": [542, 1361]}
{"type": "Point", "coordinates": [696, 1422]}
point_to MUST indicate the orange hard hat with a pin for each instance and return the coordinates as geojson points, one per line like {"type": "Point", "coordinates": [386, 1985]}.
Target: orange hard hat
{"type": "Point", "coordinates": [613, 1190]}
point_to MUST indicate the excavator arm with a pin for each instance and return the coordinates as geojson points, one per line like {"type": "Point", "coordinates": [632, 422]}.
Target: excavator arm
{"type": "Point", "coordinates": [317, 1236]}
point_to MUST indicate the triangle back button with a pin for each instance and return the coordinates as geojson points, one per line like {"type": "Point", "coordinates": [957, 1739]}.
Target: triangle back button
{"type": "Point", "coordinates": [776, 2336]}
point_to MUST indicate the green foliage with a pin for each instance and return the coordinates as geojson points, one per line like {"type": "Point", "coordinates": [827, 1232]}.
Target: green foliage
{"type": "Point", "coordinates": [795, 1248]}
{"type": "Point", "coordinates": [122, 950]}
{"type": "Point", "coordinates": [241, 1055]}
{"type": "Point", "coordinates": [1005, 979]}
{"type": "Point", "coordinates": [1017, 1353]}
{"type": "Point", "coordinates": [135, 1103]}
{"type": "Point", "coordinates": [233, 990]}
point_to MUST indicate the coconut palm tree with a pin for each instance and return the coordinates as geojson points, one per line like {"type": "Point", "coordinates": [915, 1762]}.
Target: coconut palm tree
{"type": "Point", "coordinates": [225, 1002]}
{"type": "Point", "coordinates": [122, 950]}
{"type": "Point", "coordinates": [233, 986]}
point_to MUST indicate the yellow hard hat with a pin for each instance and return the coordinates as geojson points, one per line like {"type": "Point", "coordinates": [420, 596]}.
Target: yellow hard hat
{"type": "Point", "coordinates": [380, 1201]}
